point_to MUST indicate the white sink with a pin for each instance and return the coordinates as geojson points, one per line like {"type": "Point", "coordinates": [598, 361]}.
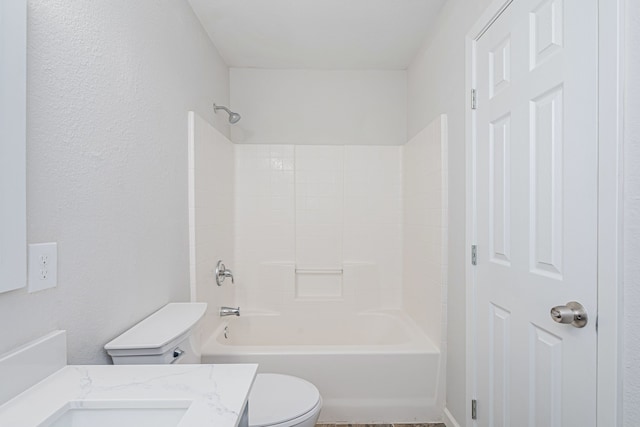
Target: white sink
{"type": "Point", "coordinates": [113, 414]}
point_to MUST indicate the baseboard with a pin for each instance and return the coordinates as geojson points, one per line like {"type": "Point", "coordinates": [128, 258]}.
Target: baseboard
{"type": "Point", "coordinates": [449, 421]}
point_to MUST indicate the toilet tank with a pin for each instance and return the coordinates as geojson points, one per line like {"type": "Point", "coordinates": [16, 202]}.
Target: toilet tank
{"type": "Point", "coordinates": [167, 336]}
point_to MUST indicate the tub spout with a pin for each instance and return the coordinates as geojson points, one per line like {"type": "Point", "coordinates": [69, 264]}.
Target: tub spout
{"type": "Point", "coordinates": [229, 311]}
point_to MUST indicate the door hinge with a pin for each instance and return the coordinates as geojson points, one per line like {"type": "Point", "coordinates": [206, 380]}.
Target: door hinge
{"type": "Point", "coordinates": [474, 409]}
{"type": "Point", "coordinates": [474, 99]}
{"type": "Point", "coordinates": [474, 255]}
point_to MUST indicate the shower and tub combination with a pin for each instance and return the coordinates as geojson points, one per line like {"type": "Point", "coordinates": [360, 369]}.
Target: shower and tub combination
{"type": "Point", "coordinates": [337, 261]}
{"type": "Point", "coordinates": [372, 367]}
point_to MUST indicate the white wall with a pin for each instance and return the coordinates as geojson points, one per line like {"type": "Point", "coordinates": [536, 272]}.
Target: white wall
{"type": "Point", "coordinates": [265, 224]}
{"type": "Point", "coordinates": [631, 372]}
{"type": "Point", "coordinates": [436, 82]}
{"type": "Point", "coordinates": [211, 216]}
{"type": "Point", "coordinates": [424, 285]}
{"type": "Point", "coordinates": [373, 221]}
{"type": "Point", "coordinates": [331, 213]}
{"type": "Point", "coordinates": [109, 87]}
{"type": "Point", "coordinates": [319, 107]}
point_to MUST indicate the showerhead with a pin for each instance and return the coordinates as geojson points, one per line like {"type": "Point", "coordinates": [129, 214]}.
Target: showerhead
{"type": "Point", "coordinates": [233, 117]}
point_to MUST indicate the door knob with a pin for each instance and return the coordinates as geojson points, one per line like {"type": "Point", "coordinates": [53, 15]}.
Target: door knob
{"type": "Point", "coordinates": [573, 313]}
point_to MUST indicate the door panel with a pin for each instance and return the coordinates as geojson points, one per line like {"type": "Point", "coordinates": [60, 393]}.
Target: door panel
{"type": "Point", "coordinates": [536, 168]}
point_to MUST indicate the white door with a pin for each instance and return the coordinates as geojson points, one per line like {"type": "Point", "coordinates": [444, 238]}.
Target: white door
{"type": "Point", "coordinates": [536, 145]}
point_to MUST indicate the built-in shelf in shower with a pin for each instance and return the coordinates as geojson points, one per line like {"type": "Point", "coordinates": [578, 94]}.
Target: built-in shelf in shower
{"type": "Point", "coordinates": [319, 283]}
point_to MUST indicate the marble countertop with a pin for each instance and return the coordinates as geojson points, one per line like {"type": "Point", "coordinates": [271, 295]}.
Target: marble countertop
{"type": "Point", "coordinates": [213, 395]}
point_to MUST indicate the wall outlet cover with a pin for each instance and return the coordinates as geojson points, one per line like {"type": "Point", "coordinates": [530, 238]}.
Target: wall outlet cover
{"type": "Point", "coordinates": [43, 266]}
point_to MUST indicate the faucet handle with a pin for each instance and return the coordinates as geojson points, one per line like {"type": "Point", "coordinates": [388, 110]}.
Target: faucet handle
{"type": "Point", "coordinates": [222, 273]}
{"type": "Point", "coordinates": [227, 273]}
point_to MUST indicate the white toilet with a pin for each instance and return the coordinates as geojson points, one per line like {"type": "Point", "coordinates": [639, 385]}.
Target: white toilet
{"type": "Point", "coordinates": [278, 400]}
{"type": "Point", "coordinates": [167, 336]}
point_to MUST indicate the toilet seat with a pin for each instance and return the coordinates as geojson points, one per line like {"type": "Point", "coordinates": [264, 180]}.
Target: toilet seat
{"type": "Point", "coordinates": [278, 400]}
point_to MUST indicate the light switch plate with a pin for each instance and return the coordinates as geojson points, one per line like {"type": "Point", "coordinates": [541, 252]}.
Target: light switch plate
{"type": "Point", "coordinates": [43, 266]}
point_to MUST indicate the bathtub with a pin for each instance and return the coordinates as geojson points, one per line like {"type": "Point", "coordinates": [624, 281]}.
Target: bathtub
{"type": "Point", "coordinates": [373, 367]}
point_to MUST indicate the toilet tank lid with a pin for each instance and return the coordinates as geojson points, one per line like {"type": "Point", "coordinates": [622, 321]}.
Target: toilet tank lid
{"type": "Point", "coordinates": [160, 328]}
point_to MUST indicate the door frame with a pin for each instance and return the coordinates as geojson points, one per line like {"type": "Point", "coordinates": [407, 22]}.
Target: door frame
{"type": "Point", "coordinates": [610, 207]}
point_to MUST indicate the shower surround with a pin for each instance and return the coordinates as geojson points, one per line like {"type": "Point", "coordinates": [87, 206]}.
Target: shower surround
{"type": "Point", "coordinates": [316, 224]}
{"type": "Point", "coordinates": [326, 232]}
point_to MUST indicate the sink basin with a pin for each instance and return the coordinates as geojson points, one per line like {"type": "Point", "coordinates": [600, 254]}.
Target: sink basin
{"type": "Point", "coordinates": [112, 414]}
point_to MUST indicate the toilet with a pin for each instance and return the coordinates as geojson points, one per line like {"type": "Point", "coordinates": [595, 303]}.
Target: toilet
{"type": "Point", "coordinates": [278, 400]}
{"type": "Point", "coordinates": [168, 336]}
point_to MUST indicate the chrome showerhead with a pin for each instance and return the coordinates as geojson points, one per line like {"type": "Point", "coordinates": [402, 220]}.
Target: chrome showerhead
{"type": "Point", "coordinates": [233, 117]}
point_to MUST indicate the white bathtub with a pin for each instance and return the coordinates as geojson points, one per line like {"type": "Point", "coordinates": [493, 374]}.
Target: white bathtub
{"type": "Point", "coordinates": [369, 367]}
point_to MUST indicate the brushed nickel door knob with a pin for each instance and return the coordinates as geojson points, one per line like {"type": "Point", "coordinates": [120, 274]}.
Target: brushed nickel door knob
{"type": "Point", "coordinates": [572, 314]}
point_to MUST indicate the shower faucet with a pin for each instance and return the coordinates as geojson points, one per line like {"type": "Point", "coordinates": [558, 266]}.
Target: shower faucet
{"type": "Point", "coordinates": [222, 273]}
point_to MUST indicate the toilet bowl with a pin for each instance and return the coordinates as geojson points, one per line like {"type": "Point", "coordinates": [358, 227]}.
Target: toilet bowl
{"type": "Point", "coordinates": [167, 336]}
{"type": "Point", "coordinates": [278, 400]}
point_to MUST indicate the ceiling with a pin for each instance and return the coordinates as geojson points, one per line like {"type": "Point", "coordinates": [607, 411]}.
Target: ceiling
{"type": "Point", "coordinates": [317, 34]}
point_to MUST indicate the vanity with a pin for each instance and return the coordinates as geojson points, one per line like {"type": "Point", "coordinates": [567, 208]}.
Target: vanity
{"type": "Point", "coordinates": [58, 395]}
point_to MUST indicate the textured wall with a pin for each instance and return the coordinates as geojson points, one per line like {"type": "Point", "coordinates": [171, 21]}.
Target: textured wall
{"type": "Point", "coordinates": [367, 107]}
{"type": "Point", "coordinates": [109, 87]}
{"type": "Point", "coordinates": [631, 371]}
